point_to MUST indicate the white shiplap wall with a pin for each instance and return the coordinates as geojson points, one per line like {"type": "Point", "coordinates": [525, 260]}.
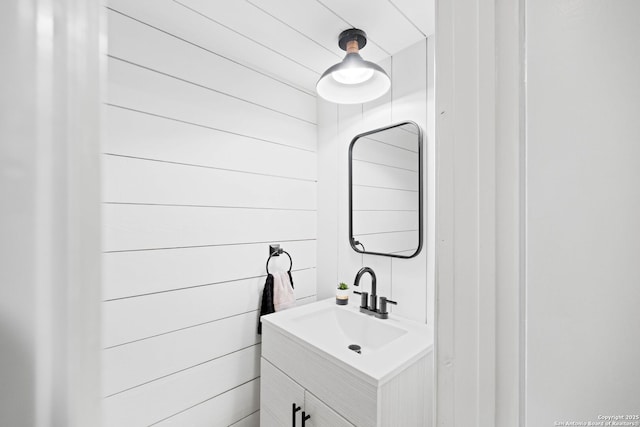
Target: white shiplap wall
{"type": "Point", "coordinates": [408, 281]}
{"type": "Point", "coordinates": [206, 162]}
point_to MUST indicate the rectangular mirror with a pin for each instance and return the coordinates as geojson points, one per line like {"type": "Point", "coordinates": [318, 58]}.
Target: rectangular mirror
{"type": "Point", "coordinates": [385, 191]}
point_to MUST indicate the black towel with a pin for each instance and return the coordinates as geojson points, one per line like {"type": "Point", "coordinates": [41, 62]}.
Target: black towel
{"type": "Point", "coordinates": [267, 307]}
{"type": "Point", "coordinates": [267, 301]}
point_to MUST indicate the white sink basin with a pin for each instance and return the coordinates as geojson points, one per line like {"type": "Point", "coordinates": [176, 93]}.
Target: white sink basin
{"type": "Point", "coordinates": [334, 325]}
{"type": "Point", "coordinates": [387, 346]}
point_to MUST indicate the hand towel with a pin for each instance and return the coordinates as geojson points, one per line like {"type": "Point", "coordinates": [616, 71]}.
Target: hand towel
{"type": "Point", "coordinates": [283, 296]}
{"type": "Point", "coordinates": [266, 307]}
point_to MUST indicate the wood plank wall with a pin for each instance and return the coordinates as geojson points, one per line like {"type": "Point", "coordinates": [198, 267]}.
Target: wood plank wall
{"type": "Point", "coordinates": [206, 162]}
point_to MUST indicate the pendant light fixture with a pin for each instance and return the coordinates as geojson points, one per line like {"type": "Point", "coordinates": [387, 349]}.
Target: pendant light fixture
{"type": "Point", "coordinates": [354, 80]}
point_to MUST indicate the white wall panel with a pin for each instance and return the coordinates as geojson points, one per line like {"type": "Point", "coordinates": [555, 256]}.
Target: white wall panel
{"type": "Point", "coordinates": [258, 25]}
{"type": "Point", "coordinates": [153, 182]}
{"type": "Point", "coordinates": [410, 86]}
{"type": "Point", "coordinates": [134, 227]}
{"type": "Point", "coordinates": [155, 49]}
{"type": "Point", "coordinates": [134, 364]}
{"type": "Point", "coordinates": [169, 395]}
{"type": "Point", "coordinates": [132, 133]}
{"type": "Point", "coordinates": [172, 17]}
{"type": "Point", "coordinates": [223, 410]}
{"type": "Point", "coordinates": [144, 272]}
{"type": "Point", "coordinates": [377, 113]}
{"type": "Point", "coordinates": [141, 89]}
{"type": "Point", "coordinates": [327, 213]}
{"type": "Point", "coordinates": [252, 420]}
{"type": "Point", "coordinates": [170, 311]}
{"type": "Point", "coordinates": [210, 157]}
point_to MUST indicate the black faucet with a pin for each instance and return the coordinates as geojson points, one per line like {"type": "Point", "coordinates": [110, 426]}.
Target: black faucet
{"type": "Point", "coordinates": [372, 306]}
{"type": "Point", "coordinates": [374, 296]}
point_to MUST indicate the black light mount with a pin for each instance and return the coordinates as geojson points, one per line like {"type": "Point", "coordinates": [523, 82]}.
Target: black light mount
{"type": "Point", "coordinates": [352, 34]}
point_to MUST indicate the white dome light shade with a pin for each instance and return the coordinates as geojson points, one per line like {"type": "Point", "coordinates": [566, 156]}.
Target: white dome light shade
{"type": "Point", "coordinates": [354, 80]}
{"type": "Point", "coordinates": [352, 75]}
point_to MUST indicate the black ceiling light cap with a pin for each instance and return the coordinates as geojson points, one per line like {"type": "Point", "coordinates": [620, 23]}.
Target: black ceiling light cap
{"type": "Point", "coordinates": [352, 34]}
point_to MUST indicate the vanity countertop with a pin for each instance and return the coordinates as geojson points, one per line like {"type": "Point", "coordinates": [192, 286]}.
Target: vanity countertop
{"type": "Point", "coordinates": [387, 346]}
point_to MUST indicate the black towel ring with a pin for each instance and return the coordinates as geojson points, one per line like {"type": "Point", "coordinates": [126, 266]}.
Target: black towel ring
{"type": "Point", "coordinates": [276, 253]}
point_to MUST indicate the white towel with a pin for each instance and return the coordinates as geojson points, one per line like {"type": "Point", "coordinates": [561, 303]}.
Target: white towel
{"type": "Point", "coordinates": [283, 296]}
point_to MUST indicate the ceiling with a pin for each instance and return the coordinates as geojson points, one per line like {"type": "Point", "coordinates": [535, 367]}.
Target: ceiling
{"type": "Point", "coordinates": [297, 40]}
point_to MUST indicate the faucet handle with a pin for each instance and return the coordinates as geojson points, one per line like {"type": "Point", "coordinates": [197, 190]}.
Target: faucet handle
{"type": "Point", "coordinates": [364, 296]}
{"type": "Point", "coordinates": [383, 304]}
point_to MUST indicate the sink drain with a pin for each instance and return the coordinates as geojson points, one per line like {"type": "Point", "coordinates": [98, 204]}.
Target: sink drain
{"type": "Point", "coordinates": [356, 348]}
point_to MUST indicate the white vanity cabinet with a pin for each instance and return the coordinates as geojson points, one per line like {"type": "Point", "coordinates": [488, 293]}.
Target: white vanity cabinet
{"type": "Point", "coordinates": [306, 361]}
{"type": "Point", "coordinates": [280, 396]}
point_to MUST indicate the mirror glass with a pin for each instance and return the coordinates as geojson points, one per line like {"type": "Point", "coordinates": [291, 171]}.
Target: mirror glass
{"type": "Point", "coordinates": [385, 191]}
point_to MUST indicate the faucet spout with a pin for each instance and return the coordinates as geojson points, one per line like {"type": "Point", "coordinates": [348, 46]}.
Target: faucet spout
{"type": "Point", "coordinates": [374, 296]}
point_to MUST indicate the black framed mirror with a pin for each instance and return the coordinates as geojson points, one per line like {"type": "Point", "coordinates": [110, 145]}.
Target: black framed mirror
{"type": "Point", "coordinates": [385, 191]}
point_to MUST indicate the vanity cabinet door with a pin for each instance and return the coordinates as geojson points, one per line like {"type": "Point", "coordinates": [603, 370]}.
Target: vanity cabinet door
{"type": "Point", "coordinates": [278, 393]}
{"type": "Point", "coordinates": [321, 414]}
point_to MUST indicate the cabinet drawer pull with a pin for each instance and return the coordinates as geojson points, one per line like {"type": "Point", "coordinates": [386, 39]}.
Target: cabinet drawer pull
{"type": "Point", "coordinates": [294, 408]}
{"type": "Point", "coordinates": [305, 417]}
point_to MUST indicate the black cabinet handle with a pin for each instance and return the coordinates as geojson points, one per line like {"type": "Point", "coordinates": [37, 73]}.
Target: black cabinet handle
{"type": "Point", "coordinates": [305, 417]}
{"type": "Point", "coordinates": [294, 408]}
